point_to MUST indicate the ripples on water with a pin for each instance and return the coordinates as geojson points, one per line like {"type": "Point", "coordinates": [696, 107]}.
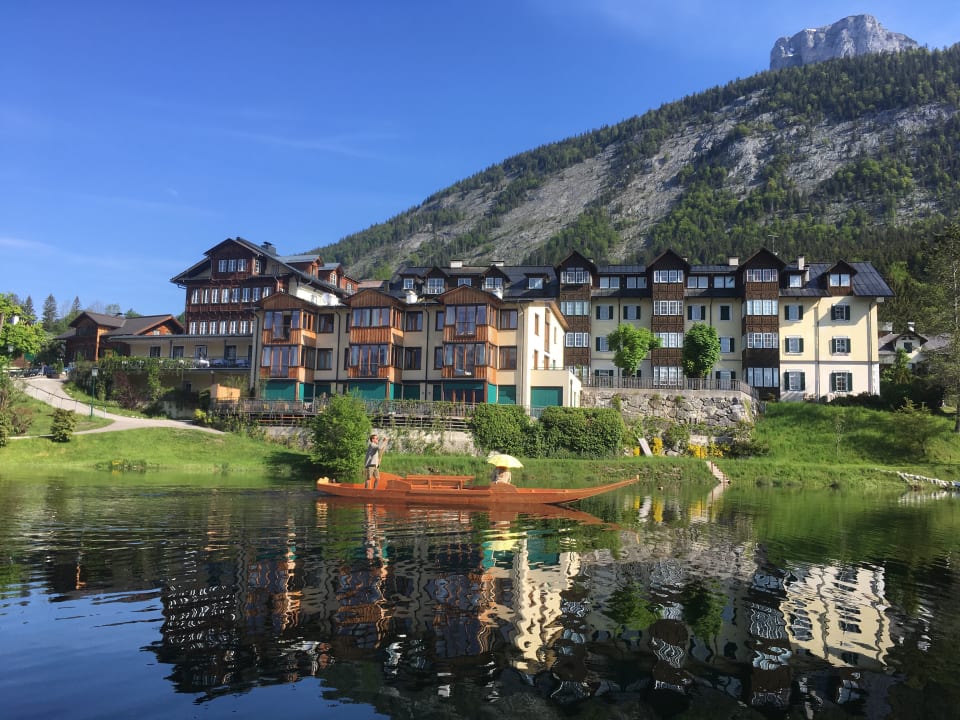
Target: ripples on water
{"type": "Point", "coordinates": [136, 597]}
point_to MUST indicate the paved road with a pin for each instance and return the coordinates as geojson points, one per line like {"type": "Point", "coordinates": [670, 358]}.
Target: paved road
{"type": "Point", "coordinates": [51, 391]}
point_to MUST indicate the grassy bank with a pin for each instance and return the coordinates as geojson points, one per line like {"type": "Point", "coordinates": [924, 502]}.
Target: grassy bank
{"type": "Point", "coordinates": [817, 445]}
{"type": "Point", "coordinates": [185, 451]}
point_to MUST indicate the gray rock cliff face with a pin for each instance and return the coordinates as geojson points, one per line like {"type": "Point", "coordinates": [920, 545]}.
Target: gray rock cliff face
{"type": "Point", "coordinates": [854, 35]}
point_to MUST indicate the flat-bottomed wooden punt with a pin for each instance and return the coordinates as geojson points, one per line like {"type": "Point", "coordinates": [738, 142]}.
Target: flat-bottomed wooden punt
{"type": "Point", "coordinates": [458, 490]}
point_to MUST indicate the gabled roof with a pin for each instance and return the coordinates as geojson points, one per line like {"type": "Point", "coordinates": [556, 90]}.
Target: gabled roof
{"type": "Point", "coordinates": [669, 257]}
{"type": "Point", "coordinates": [865, 281]}
{"type": "Point", "coordinates": [763, 257]}
{"type": "Point", "coordinates": [145, 324]}
{"type": "Point", "coordinates": [99, 319]}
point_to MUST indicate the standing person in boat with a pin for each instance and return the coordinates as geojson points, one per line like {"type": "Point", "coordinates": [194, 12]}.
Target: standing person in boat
{"type": "Point", "coordinates": [375, 450]}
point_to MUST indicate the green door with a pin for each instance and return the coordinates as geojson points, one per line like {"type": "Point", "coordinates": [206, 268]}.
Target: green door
{"type": "Point", "coordinates": [546, 396]}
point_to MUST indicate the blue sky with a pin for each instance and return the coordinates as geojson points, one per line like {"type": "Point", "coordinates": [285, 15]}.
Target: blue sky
{"type": "Point", "coordinates": [134, 136]}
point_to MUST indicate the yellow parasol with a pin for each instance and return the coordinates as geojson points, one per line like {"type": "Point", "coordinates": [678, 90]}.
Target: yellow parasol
{"type": "Point", "coordinates": [504, 460]}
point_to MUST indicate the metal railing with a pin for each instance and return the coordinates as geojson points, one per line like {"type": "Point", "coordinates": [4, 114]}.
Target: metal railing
{"type": "Point", "coordinates": [685, 383]}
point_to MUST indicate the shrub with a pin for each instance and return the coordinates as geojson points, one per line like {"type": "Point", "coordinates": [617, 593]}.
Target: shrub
{"type": "Point", "coordinates": [339, 435]}
{"type": "Point", "coordinates": [63, 424]}
{"type": "Point", "coordinates": [585, 432]}
{"type": "Point", "coordinates": [677, 436]}
{"type": "Point", "coordinates": [501, 428]}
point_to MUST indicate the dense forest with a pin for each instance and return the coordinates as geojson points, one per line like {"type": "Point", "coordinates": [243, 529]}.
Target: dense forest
{"type": "Point", "coordinates": [891, 183]}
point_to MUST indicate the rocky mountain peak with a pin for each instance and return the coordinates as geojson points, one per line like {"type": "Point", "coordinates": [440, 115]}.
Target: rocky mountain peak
{"type": "Point", "coordinates": [853, 35]}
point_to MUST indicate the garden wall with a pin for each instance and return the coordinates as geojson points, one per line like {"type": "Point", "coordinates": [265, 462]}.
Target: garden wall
{"type": "Point", "coordinates": [712, 408]}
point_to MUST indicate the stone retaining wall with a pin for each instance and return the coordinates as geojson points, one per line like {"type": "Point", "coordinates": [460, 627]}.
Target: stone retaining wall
{"type": "Point", "coordinates": [713, 408]}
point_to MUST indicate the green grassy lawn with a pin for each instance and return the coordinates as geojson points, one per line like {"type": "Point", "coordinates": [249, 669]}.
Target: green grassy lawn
{"type": "Point", "coordinates": [42, 414]}
{"type": "Point", "coordinates": [819, 445]}
{"type": "Point", "coordinates": [187, 451]}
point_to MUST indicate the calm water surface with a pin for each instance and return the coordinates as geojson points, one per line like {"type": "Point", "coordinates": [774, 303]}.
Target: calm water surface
{"type": "Point", "coordinates": [153, 597]}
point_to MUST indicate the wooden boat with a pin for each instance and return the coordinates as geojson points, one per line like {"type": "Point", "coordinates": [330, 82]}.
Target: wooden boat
{"type": "Point", "coordinates": [458, 490]}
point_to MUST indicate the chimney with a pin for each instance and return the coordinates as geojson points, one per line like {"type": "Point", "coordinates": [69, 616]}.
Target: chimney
{"type": "Point", "coordinates": [733, 261]}
{"type": "Point", "coordinates": [456, 263]}
{"type": "Point", "coordinates": [411, 297]}
{"type": "Point", "coordinates": [269, 248]}
{"type": "Point", "coordinates": [498, 291]}
{"type": "Point", "coordinates": [801, 262]}
{"type": "Point", "coordinates": [911, 326]}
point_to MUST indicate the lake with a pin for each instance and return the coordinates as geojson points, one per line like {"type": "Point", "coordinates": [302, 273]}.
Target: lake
{"type": "Point", "coordinates": [156, 596]}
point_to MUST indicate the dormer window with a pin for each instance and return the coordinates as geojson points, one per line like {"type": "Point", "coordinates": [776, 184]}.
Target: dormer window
{"type": "Point", "coordinates": [408, 283]}
{"type": "Point", "coordinates": [610, 282]}
{"type": "Point", "coordinates": [761, 275]}
{"type": "Point", "coordinates": [575, 276]}
{"type": "Point", "coordinates": [464, 282]}
{"type": "Point", "coordinates": [535, 283]}
{"type": "Point", "coordinates": [796, 281]}
{"type": "Point", "coordinates": [839, 279]}
{"type": "Point", "coordinates": [667, 276]}
{"type": "Point", "coordinates": [492, 283]}
{"type": "Point", "coordinates": [434, 286]}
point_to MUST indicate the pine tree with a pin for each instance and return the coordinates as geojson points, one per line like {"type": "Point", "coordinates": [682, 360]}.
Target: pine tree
{"type": "Point", "coordinates": [49, 313]}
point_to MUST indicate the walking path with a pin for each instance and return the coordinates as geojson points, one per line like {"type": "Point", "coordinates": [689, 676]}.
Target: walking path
{"type": "Point", "coordinates": [50, 391]}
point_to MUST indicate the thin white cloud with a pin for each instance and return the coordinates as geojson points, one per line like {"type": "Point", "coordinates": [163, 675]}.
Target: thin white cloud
{"type": "Point", "coordinates": [347, 145]}
{"type": "Point", "coordinates": [134, 203]}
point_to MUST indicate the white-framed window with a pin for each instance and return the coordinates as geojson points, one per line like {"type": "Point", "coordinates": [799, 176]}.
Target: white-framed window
{"type": "Point", "coordinates": [266, 291]}
{"type": "Point", "coordinates": [244, 327]}
{"type": "Point", "coordinates": [763, 377]}
{"type": "Point", "coordinates": [696, 282]}
{"type": "Point", "coordinates": [609, 281]}
{"type": "Point", "coordinates": [195, 296]}
{"type": "Point", "coordinates": [215, 296]}
{"type": "Point", "coordinates": [575, 276]}
{"type": "Point", "coordinates": [793, 312]}
{"type": "Point", "coordinates": [233, 327]}
{"type": "Point", "coordinates": [206, 295]}
{"type": "Point", "coordinates": [840, 312]}
{"type": "Point", "coordinates": [667, 276]}
{"type": "Point", "coordinates": [575, 307]}
{"type": "Point", "coordinates": [635, 282]}
{"type": "Point", "coordinates": [762, 340]}
{"type": "Point", "coordinates": [242, 265]}
{"type": "Point", "coordinates": [725, 379]}
{"type": "Point", "coordinates": [727, 345]}
{"type": "Point", "coordinates": [667, 307]}
{"type": "Point", "coordinates": [761, 275]}
{"type": "Point", "coordinates": [794, 381]}
{"type": "Point", "coordinates": [793, 345]}
{"type": "Point", "coordinates": [795, 281]}
{"type": "Point", "coordinates": [192, 330]}
{"type": "Point", "coordinates": [631, 312]}
{"type": "Point", "coordinates": [761, 307]}
{"type": "Point", "coordinates": [203, 327]}
{"type": "Point", "coordinates": [605, 312]}
{"type": "Point", "coordinates": [696, 312]}
{"type": "Point", "coordinates": [234, 295]}
{"type": "Point", "coordinates": [258, 266]}
{"type": "Point", "coordinates": [604, 372]}
{"type": "Point", "coordinates": [602, 344]}
{"type": "Point", "coordinates": [222, 266]}
{"type": "Point", "coordinates": [668, 375]}
{"type": "Point", "coordinates": [534, 283]}
{"type": "Point", "coordinates": [577, 339]}
{"type": "Point", "coordinates": [841, 382]}
{"type": "Point", "coordinates": [256, 294]}
{"type": "Point", "coordinates": [670, 339]}
{"type": "Point", "coordinates": [492, 282]}
{"type": "Point", "coordinates": [839, 279]}
{"type": "Point", "coordinates": [467, 282]}
{"type": "Point", "coordinates": [840, 345]}
{"type": "Point", "coordinates": [408, 283]}
{"type": "Point", "coordinates": [246, 294]}
{"type": "Point", "coordinates": [724, 282]}
{"type": "Point", "coordinates": [222, 327]}
{"type": "Point", "coordinates": [434, 286]}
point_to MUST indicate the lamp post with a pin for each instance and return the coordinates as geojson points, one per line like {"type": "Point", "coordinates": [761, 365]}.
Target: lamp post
{"type": "Point", "coordinates": [93, 387]}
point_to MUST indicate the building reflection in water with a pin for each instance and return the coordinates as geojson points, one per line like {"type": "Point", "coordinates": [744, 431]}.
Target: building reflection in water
{"type": "Point", "coordinates": [439, 598]}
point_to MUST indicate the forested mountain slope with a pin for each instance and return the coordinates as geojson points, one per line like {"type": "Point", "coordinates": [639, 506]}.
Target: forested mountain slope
{"type": "Point", "coordinates": [851, 158]}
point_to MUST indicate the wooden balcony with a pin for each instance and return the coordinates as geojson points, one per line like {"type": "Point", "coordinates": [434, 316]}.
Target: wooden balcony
{"type": "Point", "coordinates": [371, 371]}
